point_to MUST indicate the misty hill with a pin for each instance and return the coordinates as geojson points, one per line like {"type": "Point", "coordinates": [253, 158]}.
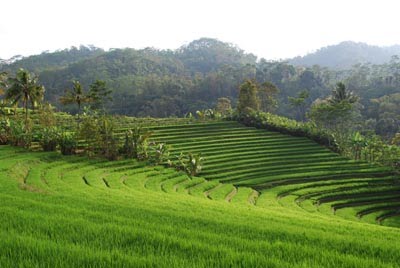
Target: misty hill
{"type": "Point", "coordinates": [347, 54]}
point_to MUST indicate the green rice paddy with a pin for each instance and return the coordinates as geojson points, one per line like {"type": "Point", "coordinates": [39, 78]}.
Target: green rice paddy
{"type": "Point", "coordinates": [264, 199]}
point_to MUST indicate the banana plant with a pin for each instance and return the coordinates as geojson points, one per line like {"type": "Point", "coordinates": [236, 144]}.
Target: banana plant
{"type": "Point", "coordinates": [136, 143]}
{"type": "Point", "coordinates": [358, 143]}
{"type": "Point", "coordinates": [191, 163]}
{"type": "Point", "coordinates": [160, 154]}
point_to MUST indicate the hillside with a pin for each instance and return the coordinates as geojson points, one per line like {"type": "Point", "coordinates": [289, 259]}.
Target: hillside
{"type": "Point", "coordinates": [162, 83]}
{"type": "Point", "coordinates": [146, 82]}
{"type": "Point", "coordinates": [258, 163]}
{"type": "Point", "coordinates": [346, 54]}
{"type": "Point", "coordinates": [50, 60]}
{"type": "Point", "coordinates": [73, 211]}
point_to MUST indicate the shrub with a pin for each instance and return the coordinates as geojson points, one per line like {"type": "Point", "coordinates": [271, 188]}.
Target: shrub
{"type": "Point", "coordinates": [20, 133]}
{"type": "Point", "coordinates": [107, 142]}
{"type": "Point", "coordinates": [49, 138]}
{"type": "Point", "coordinates": [89, 131]}
{"type": "Point", "coordinates": [68, 143]}
{"type": "Point", "coordinates": [4, 131]}
{"type": "Point", "coordinates": [160, 153]}
{"type": "Point", "coordinates": [191, 163]}
{"type": "Point", "coordinates": [136, 143]}
{"type": "Point", "coordinates": [287, 126]}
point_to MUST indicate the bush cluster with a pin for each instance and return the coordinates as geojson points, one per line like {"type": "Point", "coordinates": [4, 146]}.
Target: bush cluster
{"type": "Point", "coordinates": [287, 126]}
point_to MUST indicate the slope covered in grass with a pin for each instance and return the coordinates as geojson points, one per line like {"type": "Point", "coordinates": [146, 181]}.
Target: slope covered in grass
{"type": "Point", "coordinates": [285, 167]}
{"type": "Point", "coordinates": [264, 199]}
{"type": "Point", "coordinates": [58, 211]}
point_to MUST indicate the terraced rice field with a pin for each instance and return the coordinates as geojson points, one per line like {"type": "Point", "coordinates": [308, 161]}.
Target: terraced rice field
{"type": "Point", "coordinates": [285, 167]}
{"type": "Point", "coordinates": [264, 200]}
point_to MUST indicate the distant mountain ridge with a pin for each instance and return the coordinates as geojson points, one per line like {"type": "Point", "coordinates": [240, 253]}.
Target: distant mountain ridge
{"type": "Point", "coordinates": [346, 54]}
{"type": "Point", "coordinates": [50, 60]}
{"type": "Point", "coordinates": [160, 83]}
{"type": "Point", "coordinates": [146, 81]}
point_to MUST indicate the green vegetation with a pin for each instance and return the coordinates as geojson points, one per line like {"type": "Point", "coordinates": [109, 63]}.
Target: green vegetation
{"type": "Point", "coordinates": [23, 87]}
{"type": "Point", "coordinates": [347, 54]}
{"type": "Point", "coordinates": [162, 83]}
{"type": "Point", "coordinates": [202, 190]}
{"type": "Point", "coordinates": [76, 211]}
{"type": "Point", "coordinates": [248, 99]}
{"type": "Point", "coordinates": [76, 95]}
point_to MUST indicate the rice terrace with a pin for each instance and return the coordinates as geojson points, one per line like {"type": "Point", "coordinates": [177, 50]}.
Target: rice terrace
{"type": "Point", "coordinates": [151, 151]}
{"type": "Point", "coordinates": [264, 199]}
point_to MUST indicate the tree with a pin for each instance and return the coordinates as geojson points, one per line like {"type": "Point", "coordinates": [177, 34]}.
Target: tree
{"type": "Point", "coordinates": [396, 139]}
{"type": "Point", "coordinates": [358, 142]}
{"type": "Point", "coordinates": [76, 95]}
{"type": "Point", "coordinates": [267, 95]}
{"type": "Point", "coordinates": [223, 106]}
{"type": "Point", "coordinates": [3, 79]}
{"type": "Point", "coordinates": [3, 83]}
{"type": "Point", "coordinates": [248, 99]}
{"type": "Point", "coordinates": [24, 87]}
{"type": "Point", "coordinates": [386, 110]}
{"type": "Point", "coordinates": [89, 131]}
{"type": "Point", "coordinates": [99, 95]}
{"type": "Point", "coordinates": [340, 94]}
{"type": "Point", "coordinates": [299, 103]}
{"type": "Point", "coordinates": [108, 142]}
{"type": "Point", "coordinates": [338, 113]}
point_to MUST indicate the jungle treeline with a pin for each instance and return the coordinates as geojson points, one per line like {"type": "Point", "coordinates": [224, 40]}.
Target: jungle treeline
{"type": "Point", "coordinates": [162, 83]}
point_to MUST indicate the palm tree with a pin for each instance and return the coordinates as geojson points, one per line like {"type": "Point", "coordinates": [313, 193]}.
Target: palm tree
{"type": "Point", "coordinates": [340, 94]}
{"type": "Point", "coordinates": [24, 87]}
{"type": "Point", "coordinates": [75, 95]}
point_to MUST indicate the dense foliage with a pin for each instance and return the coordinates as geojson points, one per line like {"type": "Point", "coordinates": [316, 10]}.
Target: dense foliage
{"type": "Point", "coordinates": [161, 83]}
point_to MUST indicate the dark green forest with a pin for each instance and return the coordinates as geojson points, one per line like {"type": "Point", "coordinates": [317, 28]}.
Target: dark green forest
{"type": "Point", "coordinates": [162, 83]}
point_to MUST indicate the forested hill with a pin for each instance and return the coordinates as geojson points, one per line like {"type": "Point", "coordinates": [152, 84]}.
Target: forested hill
{"type": "Point", "coordinates": [160, 83]}
{"type": "Point", "coordinates": [147, 81]}
{"type": "Point", "coordinates": [53, 60]}
{"type": "Point", "coordinates": [347, 54]}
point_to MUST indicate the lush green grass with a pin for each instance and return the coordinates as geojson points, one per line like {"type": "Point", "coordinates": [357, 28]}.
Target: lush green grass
{"type": "Point", "coordinates": [263, 159]}
{"type": "Point", "coordinates": [72, 211]}
{"type": "Point", "coordinates": [52, 218]}
{"type": "Point", "coordinates": [259, 159]}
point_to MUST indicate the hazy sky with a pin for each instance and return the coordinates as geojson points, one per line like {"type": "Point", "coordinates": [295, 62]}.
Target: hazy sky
{"type": "Point", "coordinates": [271, 28]}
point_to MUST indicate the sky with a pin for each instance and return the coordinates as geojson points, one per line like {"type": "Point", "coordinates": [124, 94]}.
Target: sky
{"type": "Point", "coordinates": [273, 29]}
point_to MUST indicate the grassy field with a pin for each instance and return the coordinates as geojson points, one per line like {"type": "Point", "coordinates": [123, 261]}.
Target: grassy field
{"type": "Point", "coordinates": [293, 168]}
{"type": "Point", "coordinates": [264, 200]}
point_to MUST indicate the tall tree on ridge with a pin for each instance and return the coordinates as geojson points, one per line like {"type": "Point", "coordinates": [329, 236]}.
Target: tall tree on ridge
{"type": "Point", "coordinates": [223, 106]}
{"type": "Point", "coordinates": [299, 103]}
{"type": "Point", "coordinates": [248, 98]}
{"type": "Point", "coordinates": [340, 94]}
{"type": "Point", "coordinates": [337, 113]}
{"type": "Point", "coordinates": [99, 95]}
{"type": "Point", "coordinates": [267, 93]}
